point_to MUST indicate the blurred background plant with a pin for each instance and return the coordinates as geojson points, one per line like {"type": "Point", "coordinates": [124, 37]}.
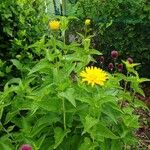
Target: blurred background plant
{"type": "Point", "coordinates": [118, 25]}
{"type": "Point", "coordinates": [22, 23]}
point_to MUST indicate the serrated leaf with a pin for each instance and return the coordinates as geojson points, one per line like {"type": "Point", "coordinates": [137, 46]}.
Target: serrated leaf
{"type": "Point", "coordinates": [102, 131]}
{"type": "Point", "coordinates": [49, 118]}
{"type": "Point", "coordinates": [89, 122]}
{"type": "Point", "coordinates": [110, 113]}
{"type": "Point", "coordinates": [69, 95]}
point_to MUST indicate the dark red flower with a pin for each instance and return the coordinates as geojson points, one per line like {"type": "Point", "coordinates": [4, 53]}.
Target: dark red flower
{"type": "Point", "coordinates": [120, 67]}
{"type": "Point", "coordinates": [114, 54]}
{"type": "Point", "coordinates": [101, 59]}
{"type": "Point", "coordinates": [110, 66]}
{"type": "Point", "coordinates": [130, 60]}
{"type": "Point", "coordinates": [25, 147]}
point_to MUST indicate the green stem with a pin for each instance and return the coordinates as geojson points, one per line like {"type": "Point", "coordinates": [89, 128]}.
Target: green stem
{"type": "Point", "coordinates": [133, 96]}
{"type": "Point", "coordinates": [63, 7]}
{"type": "Point", "coordinates": [64, 113]}
{"type": "Point", "coordinates": [125, 86]}
{"type": "Point", "coordinates": [85, 31]}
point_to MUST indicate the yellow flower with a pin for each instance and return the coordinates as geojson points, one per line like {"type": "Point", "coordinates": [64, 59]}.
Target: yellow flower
{"type": "Point", "coordinates": [94, 75]}
{"type": "Point", "coordinates": [87, 22]}
{"type": "Point", "coordinates": [54, 25]}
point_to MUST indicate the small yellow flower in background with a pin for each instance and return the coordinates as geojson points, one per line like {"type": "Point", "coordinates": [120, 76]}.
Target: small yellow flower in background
{"type": "Point", "coordinates": [87, 22]}
{"type": "Point", "coordinates": [54, 25]}
{"type": "Point", "coordinates": [94, 75]}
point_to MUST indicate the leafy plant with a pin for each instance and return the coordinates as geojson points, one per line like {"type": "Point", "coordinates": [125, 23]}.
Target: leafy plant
{"type": "Point", "coordinates": [51, 108]}
{"type": "Point", "coordinates": [22, 24]}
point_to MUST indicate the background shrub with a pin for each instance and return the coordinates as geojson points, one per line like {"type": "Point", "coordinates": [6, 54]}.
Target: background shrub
{"type": "Point", "coordinates": [120, 25]}
{"type": "Point", "coordinates": [22, 23]}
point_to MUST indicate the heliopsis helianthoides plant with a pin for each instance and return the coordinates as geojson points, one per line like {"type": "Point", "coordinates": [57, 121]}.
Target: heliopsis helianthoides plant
{"type": "Point", "coordinates": [93, 75]}
{"type": "Point", "coordinates": [50, 108]}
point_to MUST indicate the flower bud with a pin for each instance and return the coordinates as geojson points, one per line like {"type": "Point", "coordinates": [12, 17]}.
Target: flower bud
{"type": "Point", "coordinates": [87, 22]}
{"type": "Point", "coordinates": [54, 25]}
{"type": "Point", "coordinates": [130, 60]}
{"type": "Point", "coordinates": [114, 54]}
{"type": "Point", "coordinates": [101, 59]}
{"type": "Point", "coordinates": [25, 147]}
{"type": "Point", "coordinates": [120, 67]}
{"type": "Point", "coordinates": [111, 66]}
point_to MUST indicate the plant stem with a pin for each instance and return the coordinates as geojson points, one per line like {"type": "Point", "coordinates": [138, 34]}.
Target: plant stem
{"type": "Point", "coordinates": [64, 113]}
{"type": "Point", "coordinates": [125, 86]}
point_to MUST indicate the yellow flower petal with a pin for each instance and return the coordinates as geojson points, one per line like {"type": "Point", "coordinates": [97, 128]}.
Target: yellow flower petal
{"type": "Point", "coordinates": [87, 22]}
{"type": "Point", "coordinates": [54, 25]}
{"type": "Point", "coordinates": [93, 75]}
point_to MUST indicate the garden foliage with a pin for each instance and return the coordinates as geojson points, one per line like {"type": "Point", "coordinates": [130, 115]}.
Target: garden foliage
{"type": "Point", "coordinates": [120, 25]}
{"type": "Point", "coordinates": [44, 101]}
{"type": "Point", "coordinates": [22, 23]}
{"type": "Point", "coordinates": [49, 107]}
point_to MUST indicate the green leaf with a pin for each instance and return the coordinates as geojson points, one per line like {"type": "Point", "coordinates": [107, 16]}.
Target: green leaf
{"type": "Point", "coordinates": [10, 128]}
{"type": "Point", "coordinates": [116, 145]}
{"type": "Point", "coordinates": [69, 68]}
{"type": "Point", "coordinates": [101, 131]}
{"type": "Point", "coordinates": [143, 80]}
{"type": "Point", "coordinates": [111, 113]}
{"type": "Point", "coordinates": [88, 144]}
{"type": "Point", "coordinates": [40, 141]}
{"type": "Point", "coordinates": [89, 122]}
{"type": "Point", "coordinates": [4, 146]}
{"type": "Point", "coordinates": [84, 99]}
{"type": "Point", "coordinates": [43, 64]}
{"type": "Point", "coordinates": [44, 122]}
{"type": "Point", "coordinates": [139, 103]}
{"type": "Point", "coordinates": [107, 99]}
{"type": "Point", "coordinates": [16, 63]}
{"type": "Point", "coordinates": [136, 88]}
{"type": "Point", "coordinates": [48, 118]}
{"type": "Point", "coordinates": [52, 105]}
{"type": "Point", "coordinates": [49, 55]}
{"type": "Point", "coordinates": [94, 51]}
{"type": "Point", "coordinates": [69, 95]}
{"type": "Point", "coordinates": [59, 135]}
{"type": "Point", "coordinates": [131, 121]}
{"type": "Point", "coordinates": [1, 111]}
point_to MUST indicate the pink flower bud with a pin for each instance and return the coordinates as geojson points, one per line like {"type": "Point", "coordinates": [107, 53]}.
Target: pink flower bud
{"type": "Point", "coordinates": [120, 67]}
{"type": "Point", "coordinates": [130, 60]}
{"type": "Point", "coordinates": [111, 66]}
{"type": "Point", "coordinates": [25, 147]}
{"type": "Point", "coordinates": [114, 54]}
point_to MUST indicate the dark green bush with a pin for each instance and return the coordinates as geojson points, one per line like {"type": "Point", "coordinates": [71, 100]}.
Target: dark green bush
{"type": "Point", "coordinates": [120, 25]}
{"type": "Point", "coordinates": [22, 23]}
